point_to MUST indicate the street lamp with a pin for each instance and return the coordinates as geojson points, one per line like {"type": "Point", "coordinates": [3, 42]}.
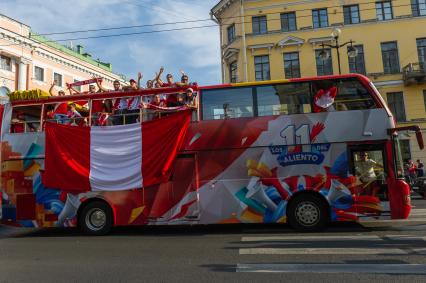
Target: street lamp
{"type": "Point", "coordinates": [352, 52]}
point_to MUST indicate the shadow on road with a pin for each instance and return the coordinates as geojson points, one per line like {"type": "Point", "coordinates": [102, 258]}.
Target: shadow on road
{"type": "Point", "coordinates": [195, 230]}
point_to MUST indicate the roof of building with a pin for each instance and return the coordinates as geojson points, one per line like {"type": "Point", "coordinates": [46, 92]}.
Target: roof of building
{"type": "Point", "coordinates": [220, 6]}
{"type": "Point", "coordinates": [84, 57]}
{"type": "Point", "coordinates": [69, 51]}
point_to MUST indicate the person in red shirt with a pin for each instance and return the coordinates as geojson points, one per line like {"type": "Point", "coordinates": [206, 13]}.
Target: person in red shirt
{"type": "Point", "coordinates": [169, 78]}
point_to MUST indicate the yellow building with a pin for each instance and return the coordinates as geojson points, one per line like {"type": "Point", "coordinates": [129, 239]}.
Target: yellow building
{"type": "Point", "coordinates": [284, 39]}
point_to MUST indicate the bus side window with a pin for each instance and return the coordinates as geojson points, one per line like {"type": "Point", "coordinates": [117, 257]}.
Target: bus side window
{"type": "Point", "coordinates": [25, 119]}
{"type": "Point", "coordinates": [227, 103]}
{"type": "Point", "coordinates": [283, 99]}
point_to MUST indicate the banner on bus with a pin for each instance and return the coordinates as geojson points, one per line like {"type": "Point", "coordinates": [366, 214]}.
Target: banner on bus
{"type": "Point", "coordinates": [113, 158]}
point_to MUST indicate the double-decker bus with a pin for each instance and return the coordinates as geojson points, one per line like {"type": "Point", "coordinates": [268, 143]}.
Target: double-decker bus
{"type": "Point", "coordinates": [305, 151]}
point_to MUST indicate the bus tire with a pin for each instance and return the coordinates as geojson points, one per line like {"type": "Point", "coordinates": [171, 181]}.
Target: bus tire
{"type": "Point", "coordinates": [96, 218]}
{"type": "Point", "coordinates": [307, 213]}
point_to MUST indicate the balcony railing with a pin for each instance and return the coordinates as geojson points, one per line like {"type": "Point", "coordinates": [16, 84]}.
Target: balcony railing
{"type": "Point", "coordinates": [414, 73]}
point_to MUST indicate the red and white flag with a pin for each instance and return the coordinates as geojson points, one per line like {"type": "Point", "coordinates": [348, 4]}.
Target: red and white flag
{"type": "Point", "coordinates": [113, 158]}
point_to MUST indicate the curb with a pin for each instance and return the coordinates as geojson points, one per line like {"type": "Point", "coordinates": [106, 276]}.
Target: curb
{"type": "Point", "coordinates": [10, 231]}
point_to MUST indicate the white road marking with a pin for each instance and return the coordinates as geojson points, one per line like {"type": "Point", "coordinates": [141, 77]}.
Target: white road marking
{"type": "Point", "coordinates": [305, 238]}
{"type": "Point", "coordinates": [418, 211]}
{"type": "Point", "coordinates": [406, 237]}
{"type": "Point", "coordinates": [421, 251]}
{"type": "Point", "coordinates": [321, 251]}
{"type": "Point", "coordinates": [335, 268]}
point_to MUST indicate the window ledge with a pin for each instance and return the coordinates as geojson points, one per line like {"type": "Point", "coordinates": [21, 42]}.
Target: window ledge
{"type": "Point", "coordinates": [42, 83]}
{"type": "Point", "coordinates": [9, 72]}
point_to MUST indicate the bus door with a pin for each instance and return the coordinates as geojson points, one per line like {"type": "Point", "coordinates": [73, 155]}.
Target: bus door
{"type": "Point", "coordinates": [368, 164]}
{"type": "Point", "coordinates": [177, 201]}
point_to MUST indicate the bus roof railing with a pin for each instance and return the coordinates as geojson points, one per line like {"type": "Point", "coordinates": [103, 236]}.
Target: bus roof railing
{"type": "Point", "coordinates": [105, 95]}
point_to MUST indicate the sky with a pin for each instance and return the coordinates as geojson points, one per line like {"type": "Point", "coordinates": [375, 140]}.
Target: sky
{"type": "Point", "coordinates": [195, 51]}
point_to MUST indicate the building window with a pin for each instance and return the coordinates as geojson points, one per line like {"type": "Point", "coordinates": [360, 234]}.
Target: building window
{"type": "Point", "coordinates": [418, 7]}
{"type": "Point", "coordinates": [288, 21]}
{"type": "Point", "coordinates": [259, 25]}
{"type": "Point", "coordinates": [357, 64]}
{"type": "Point", "coordinates": [324, 67]}
{"type": "Point", "coordinates": [421, 51]}
{"type": "Point", "coordinates": [233, 67]}
{"type": "Point", "coordinates": [351, 14]}
{"type": "Point", "coordinates": [405, 149]}
{"type": "Point", "coordinates": [78, 87]}
{"type": "Point", "coordinates": [261, 67]}
{"type": "Point", "coordinates": [39, 73]}
{"type": "Point", "coordinates": [396, 105]}
{"type": "Point", "coordinates": [5, 63]}
{"type": "Point", "coordinates": [231, 33]}
{"type": "Point", "coordinates": [57, 78]}
{"type": "Point", "coordinates": [291, 65]}
{"type": "Point", "coordinates": [384, 10]}
{"type": "Point", "coordinates": [390, 57]}
{"type": "Point", "coordinates": [320, 18]}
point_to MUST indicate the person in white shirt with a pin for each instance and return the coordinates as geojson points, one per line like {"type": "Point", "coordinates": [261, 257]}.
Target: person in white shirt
{"type": "Point", "coordinates": [364, 169]}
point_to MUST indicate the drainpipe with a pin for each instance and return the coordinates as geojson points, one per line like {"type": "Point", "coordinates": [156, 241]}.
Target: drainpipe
{"type": "Point", "coordinates": [244, 40]}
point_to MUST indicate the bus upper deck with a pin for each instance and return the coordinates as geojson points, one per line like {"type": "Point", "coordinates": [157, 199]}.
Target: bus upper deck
{"type": "Point", "coordinates": [269, 98]}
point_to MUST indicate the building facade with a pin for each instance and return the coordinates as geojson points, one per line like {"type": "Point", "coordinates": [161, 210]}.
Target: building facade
{"type": "Point", "coordinates": [283, 39]}
{"type": "Point", "coordinates": [29, 61]}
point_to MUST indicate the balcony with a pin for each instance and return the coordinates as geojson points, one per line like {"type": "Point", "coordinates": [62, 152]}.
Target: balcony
{"type": "Point", "coordinates": [414, 73]}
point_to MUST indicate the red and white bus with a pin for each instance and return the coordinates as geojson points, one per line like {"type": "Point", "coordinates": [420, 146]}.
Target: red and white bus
{"type": "Point", "coordinates": [303, 151]}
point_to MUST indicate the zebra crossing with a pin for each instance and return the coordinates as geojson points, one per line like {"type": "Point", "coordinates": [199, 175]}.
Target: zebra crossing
{"type": "Point", "coordinates": [341, 247]}
{"type": "Point", "coordinates": [336, 253]}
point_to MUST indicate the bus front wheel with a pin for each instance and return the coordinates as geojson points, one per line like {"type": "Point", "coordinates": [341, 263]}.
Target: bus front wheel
{"type": "Point", "coordinates": [96, 218]}
{"type": "Point", "coordinates": [308, 213]}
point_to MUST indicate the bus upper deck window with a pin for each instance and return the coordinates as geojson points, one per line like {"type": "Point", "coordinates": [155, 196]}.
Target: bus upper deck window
{"type": "Point", "coordinates": [25, 119]}
{"type": "Point", "coordinates": [227, 103]}
{"type": "Point", "coordinates": [352, 95]}
{"type": "Point", "coordinates": [283, 99]}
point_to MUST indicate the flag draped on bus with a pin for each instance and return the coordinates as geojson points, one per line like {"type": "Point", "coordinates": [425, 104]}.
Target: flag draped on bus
{"type": "Point", "coordinates": [113, 158]}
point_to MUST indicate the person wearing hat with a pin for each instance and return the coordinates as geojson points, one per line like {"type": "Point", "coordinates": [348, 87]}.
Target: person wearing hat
{"type": "Point", "coordinates": [191, 101]}
{"type": "Point", "coordinates": [132, 87]}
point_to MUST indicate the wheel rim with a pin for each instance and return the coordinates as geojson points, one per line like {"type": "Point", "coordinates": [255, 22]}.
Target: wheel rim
{"type": "Point", "coordinates": [307, 213]}
{"type": "Point", "coordinates": [95, 219]}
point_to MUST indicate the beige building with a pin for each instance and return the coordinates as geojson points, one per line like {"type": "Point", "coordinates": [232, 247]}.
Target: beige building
{"type": "Point", "coordinates": [29, 61]}
{"type": "Point", "coordinates": [284, 39]}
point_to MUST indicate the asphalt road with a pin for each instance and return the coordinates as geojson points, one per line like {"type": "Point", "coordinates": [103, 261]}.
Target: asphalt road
{"type": "Point", "coordinates": [344, 252]}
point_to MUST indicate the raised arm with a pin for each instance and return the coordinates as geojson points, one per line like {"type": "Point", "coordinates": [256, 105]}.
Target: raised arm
{"type": "Point", "coordinates": [51, 89]}
{"type": "Point", "coordinates": [140, 76]}
{"type": "Point", "coordinates": [71, 89]}
{"type": "Point", "coordinates": [99, 84]}
{"type": "Point", "coordinates": [158, 76]}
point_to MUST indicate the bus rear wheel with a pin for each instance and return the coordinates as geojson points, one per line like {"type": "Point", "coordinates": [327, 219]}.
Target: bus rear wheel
{"type": "Point", "coordinates": [96, 218]}
{"type": "Point", "coordinates": [308, 213]}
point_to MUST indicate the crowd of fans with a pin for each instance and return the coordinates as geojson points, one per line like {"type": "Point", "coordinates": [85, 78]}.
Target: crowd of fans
{"type": "Point", "coordinates": [125, 110]}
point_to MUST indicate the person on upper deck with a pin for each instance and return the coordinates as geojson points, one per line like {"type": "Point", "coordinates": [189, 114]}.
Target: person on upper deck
{"type": "Point", "coordinates": [184, 80]}
{"type": "Point", "coordinates": [73, 114]}
{"type": "Point", "coordinates": [180, 100]}
{"type": "Point", "coordinates": [191, 100]}
{"type": "Point", "coordinates": [133, 85]}
{"type": "Point", "coordinates": [60, 92]}
{"type": "Point", "coordinates": [169, 78]}
{"type": "Point", "coordinates": [149, 84]}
